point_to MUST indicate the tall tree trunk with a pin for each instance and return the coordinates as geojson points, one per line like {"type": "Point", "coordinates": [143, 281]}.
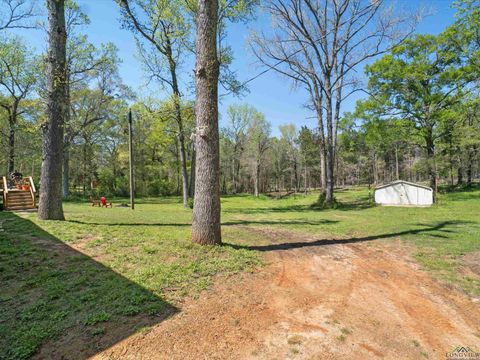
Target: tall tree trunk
{"type": "Point", "coordinates": [12, 121]}
{"type": "Point", "coordinates": [460, 173]}
{"type": "Point", "coordinates": [317, 100]}
{"type": "Point", "coordinates": [191, 189]}
{"type": "Point", "coordinates": [337, 172]}
{"type": "Point", "coordinates": [295, 171]}
{"type": "Point", "coordinates": [66, 143]}
{"type": "Point", "coordinates": [305, 188]}
{"type": "Point", "coordinates": [330, 145]}
{"type": "Point", "coordinates": [290, 186]}
{"type": "Point", "coordinates": [206, 210]}
{"type": "Point", "coordinates": [470, 166]}
{"type": "Point", "coordinates": [256, 180]}
{"type": "Point", "coordinates": [11, 147]}
{"type": "Point", "coordinates": [234, 178]}
{"type": "Point", "coordinates": [329, 197]}
{"type": "Point", "coordinates": [224, 185]}
{"type": "Point", "coordinates": [432, 173]}
{"type": "Point", "coordinates": [397, 172]}
{"type": "Point", "coordinates": [183, 160]}
{"type": "Point", "coordinates": [236, 168]}
{"type": "Point", "coordinates": [114, 172]}
{"type": "Point", "coordinates": [66, 170]}
{"type": "Point", "coordinates": [238, 185]}
{"type": "Point", "coordinates": [469, 174]}
{"type": "Point", "coordinates": [84, 177]}
{"type": "Point", "coordinates": [323, 170]}
{"type": "Point", "coordinates": [451, 172]}
{"type": "Point", "coordinates": [178, 167]}
{"type": "Point", "coordinates": [50, 206]}
{"type": "Point", "coordinates": [179, 119]}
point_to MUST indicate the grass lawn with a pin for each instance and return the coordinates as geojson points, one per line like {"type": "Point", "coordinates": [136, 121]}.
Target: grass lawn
{"type": "Point", "coordinates": [106, 273]}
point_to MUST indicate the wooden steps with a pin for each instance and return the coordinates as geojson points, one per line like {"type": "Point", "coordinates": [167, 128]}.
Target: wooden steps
{"type": "Point", "coordinates": [17, 199]}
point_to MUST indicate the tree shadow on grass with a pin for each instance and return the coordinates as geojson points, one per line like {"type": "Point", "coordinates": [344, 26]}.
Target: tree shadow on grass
{"type": "Point", "coordinates": [435, 230]}
{"type": "Point", "coordinates": [280, 222]}
{"type": "Point", "coordinates": [342, 206]}
{"type": "Point", "coordinates": [355, 205]}
{"type": "Point", "coordinates": [225, 223]}
{"type": "Point", "coordinates": [56, 302]}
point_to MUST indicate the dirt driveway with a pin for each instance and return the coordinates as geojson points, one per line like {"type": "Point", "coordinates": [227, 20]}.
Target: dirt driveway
{"type": "Point", "coordinates": [362, 300]}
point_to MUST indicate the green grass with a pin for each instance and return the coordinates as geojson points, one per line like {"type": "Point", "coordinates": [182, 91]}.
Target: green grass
{"type": "Point", "coordinates": [442, 234]}
{"type": "Point", "coordinates": [106, 273]}
{"type": "Point", "coordinates": [132, 270]}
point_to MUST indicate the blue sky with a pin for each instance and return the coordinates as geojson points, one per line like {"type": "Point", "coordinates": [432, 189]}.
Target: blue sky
{"type": "Point", "coordinates": [270, 93]}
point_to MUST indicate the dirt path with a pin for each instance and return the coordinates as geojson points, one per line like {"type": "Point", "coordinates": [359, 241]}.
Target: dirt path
{"type": "Point", "coordinates": [343, 301]}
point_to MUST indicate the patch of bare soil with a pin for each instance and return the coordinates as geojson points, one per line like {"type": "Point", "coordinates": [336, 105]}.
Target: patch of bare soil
{"type": "Point", "coordinates": [472, 262]}
{"type": "Point", "coordinates": [363, 300]}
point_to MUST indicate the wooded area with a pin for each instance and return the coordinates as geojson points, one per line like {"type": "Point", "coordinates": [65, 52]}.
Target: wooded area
{"type": "Point", "coordinates": [420, 123]}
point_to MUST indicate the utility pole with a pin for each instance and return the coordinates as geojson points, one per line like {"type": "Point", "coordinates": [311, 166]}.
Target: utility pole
{"type": "Point", "coordinates": [130, 151]}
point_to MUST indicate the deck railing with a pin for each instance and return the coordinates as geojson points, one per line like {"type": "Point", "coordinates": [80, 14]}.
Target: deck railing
{"type": "Point", "coordinates": [32, 190]}
{"type": "Point", "coordinates": [5, 192]}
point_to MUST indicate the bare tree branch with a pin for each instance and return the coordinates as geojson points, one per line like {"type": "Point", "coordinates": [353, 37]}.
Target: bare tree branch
{"type": "Point", "coordinates": [17, 14]}
{"type": "Point", "coordinates": [320, 44]}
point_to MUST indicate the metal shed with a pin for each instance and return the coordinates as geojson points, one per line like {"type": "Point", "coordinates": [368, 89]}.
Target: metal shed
{"type": "Point", "coordinates": [404, 193]}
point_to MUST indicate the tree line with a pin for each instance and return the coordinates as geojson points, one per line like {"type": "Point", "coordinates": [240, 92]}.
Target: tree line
{"type": "Point", "coordinates": [418, 121]}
